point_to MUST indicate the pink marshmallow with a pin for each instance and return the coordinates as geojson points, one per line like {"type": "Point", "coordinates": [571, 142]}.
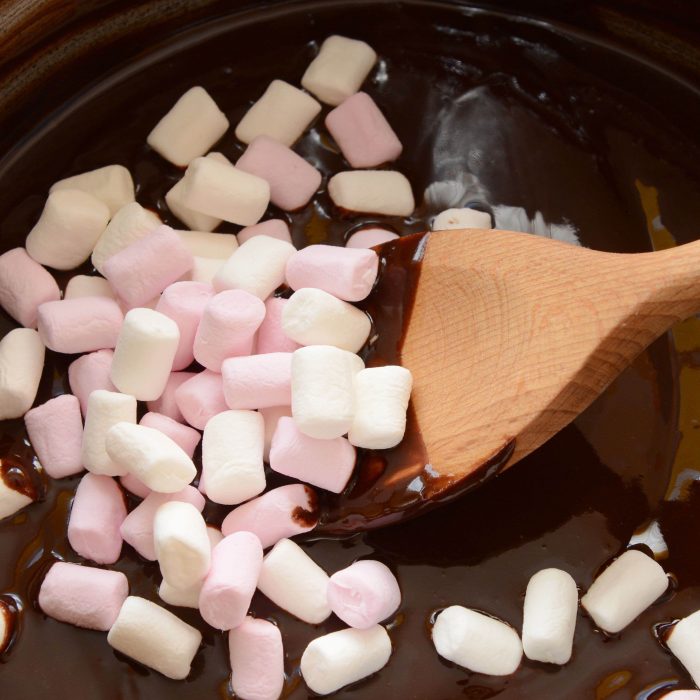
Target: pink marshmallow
{"type": "Point", "coordinates": [142, 270]}
{"type": "Point", "coordinates": [134, 485]}
{"type": "Point", "coordinates": [364, 594]}
{"type": "Point", "coordinates": [271, 337]}
{"type": "Point", "coordinates": [257, 660]}
{"type": "Point", "coordinates": [201, 398]}
{"type": "Point", "coordinates": [280, 513]}
{"type": "Point", "coordinates": [228, 327]}
{"type": "Point", "coordinates": [362, 132]}
{"type": "Point", "coordinates": [96, 517]}
{"type": "Point", "coordinates": [258, 381]}
{"type": "Point", "coordinates": [137, 528]}
{"type": "Point", "coordinates": [80, 325]}
{"type": "Point", "coordinates": [274, 228]}
{"type": "Point", "coordinates": [346, 273]}
{"type": "Point", "coordinates": [184, 303]}
{"type": "Point", "coordinates": [271, 417]}
{"type": "Point", "coordinates": [327, 464]}
{"type": "Point", "coordinates": [24, 286]}
{"type": "Point", "coordinates": [293, 180]}
{"type": "Point", "coordinates": [184, 436]}
{"type": "Point", "coordinates": [167, 403]}
{"type": "Point", "coordinates": [229, 586]}
{"type": "Point", "coordinates": [682, 695]}
{"type": "Point", "coordinates": [370, 237]}
{"type": "Point", "coordinates": [83, 595]}
{"type": "Point", "coordinates": [55, 431]}
{"type": "Point", "coordinates": [89, 373]}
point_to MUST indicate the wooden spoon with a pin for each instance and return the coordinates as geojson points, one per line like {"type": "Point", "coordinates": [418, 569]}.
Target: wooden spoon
{"type": "Point", "coordinates": [510, 337]}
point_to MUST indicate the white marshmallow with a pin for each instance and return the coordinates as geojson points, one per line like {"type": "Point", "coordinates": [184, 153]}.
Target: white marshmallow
{"type": "Point", "coordinates": [155, 637]}
{"type": "Point", "coordinates": [373, 192]}
{"type": "Point", "coordinates": [549, 621]}
{"type": "Point", "coordinates": [295, 582]}
{"type": "Point", "coordinates": [232, 457]}
{"type": "Point", "coordinates": [477, 642]}
{"type": "Point", "coordinates": [111, 184]}
{"type": "Point", "coordinates": [143, 357]}
{"type": "Point", "coordinates": [209, 245]}
{"type": "Point", "coordinates": [651, 536]}
{"type": "Point", "coordinates": [461, 218]}
{"type": "Point", "coordinates": [191, 127]}
{"type": "Point", "coordinates": [624, 590]}
{"type": "Point", "coordinates": [257, 267]}
{"type": "Point", "coordinates": [82, 286]}
{"type": "Point", "coordinates": [68, 229]}
{"type": "Point", "coordinates": [684, 644]}
{"type": "Point", "coordinates": [11, 501]}
{"type": "Point", "coordinates": [151, 456]}
{"type": "Point", "coordinates": [271, 417]}
{"type": "Point", "coordinates": [323, 403]}
{"type": "Point", "coordinates": [381, 400]}
{"type": "Point", "coordinates": [206, 269]}
{"type": "Point", "coordinates": [21, 365]}
{"type": "Point", "coordinates": [339, 658]}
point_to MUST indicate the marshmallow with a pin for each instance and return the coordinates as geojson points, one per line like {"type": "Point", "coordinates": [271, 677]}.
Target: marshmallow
{"type": "Point", "coordinates": [381, 401]}
{"type": "Point", "coordinates": [271, 337]}
{"type": "Point", "coordinates": [682, 695]}
{"type": "Point", "coordinates": [232, 457]}
{"type": "Point", "coordinates": [384, 192]}
{"type": "Point", "coordinates": [323, 403]}
{"type": "Point", "coordinates": [137, 528]}
{"type": "Point", "coordinates": [21, 365]}
{"type": "Point", "coordinates": [294, 582]}
{"type": "Point", "coordinates": [624, 590]}
{"type": "Point", "coordinates": [201, 398]}
{"type": "Point", "coordinates": [191, 127]}
{"type": "Point", "coordinates": [477, 642]}
{"type": "Point", "coordinates": [82, 286]}
{"type": "Point", "coordinates": [144, 354]}
{"type": "Point", "coordinates": [461, 218]}
{"type": "Point", "coordinates": [155, 637]}
{"type": "Point", "coordinates": [55, 431]}
{"type": "Point", "coordinates": [339, 658]}
{"type": "Point", "coordinates": [24, 286]}
{"type": "Point", "coordinates": [83, 595]}
{"type": "Point", "coordinates": [80, 325]}
{"type": "Point", "coordinates": [258, 381]}
{"type": "Point", "coordinates": [326, 463]}
{"type": "Point", "coordinates": [96, 517]}
{"type": "Point", "coordinates": [346, 273]}
{"type": "Point", "coordinates": [182, 435]}
{"type": "Point", "coordinates": [111, 184]}
{"type": "Point", "coordinates": [364, 593]}
{"type": "Point", "coordinates": [274, 228]}
{"type": "Point", "coordinates": [134, 486]}
{"type": "Point", "coordinates": [195, 220]}
{"type": "Point", "coordinates": [166, 404]}
{"type": "Point", "coordinates": [362, 133]}
{"type": "Point", "coordinates": [88, 373]}
{"type": "Point", "coordinates": [209, 245]}
{"type": "Point", "coordinates": [205, 269]}
{"type": "Point", "coordinates": [282, 512]}
{"type": "Point", "coordinates": [257, 660]}
{"type": "Point", "coordinates": [684, 643]}
{"type": "Point", "coordinates": [551, 606]}
{"type": "Point", "coordinates": [315, 317]}
{"type": "Point", "coordinates": [68, 229]}
{"type": "Point", "coordinates": [153, 457]}
{"type": "Point", "coordinates": [271, 417]}
{"type": "Point", "coordinates": [227, 327]}
{"type": "Point", "coordinates": [13, 499]}
{"type": "Point", "coordinates": [131, 223]}
{"type": "Point", "coordinates": [339, 69]}
{"type": "Point", "coordinates": [283, 113]}
{"type": "Point", "coordinates": [370, 237]}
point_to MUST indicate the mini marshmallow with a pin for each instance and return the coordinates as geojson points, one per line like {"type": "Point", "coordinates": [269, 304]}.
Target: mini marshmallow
{"type": "Point", "coordinates": [549, 621]}
{"type": "Point", "coordinates": [295, 582]}
{"type": "Point", "coordinates": [684, 643]}
{"type": "Point", "coordinates": [477, 642]}
{"type": "Point", "coordinates": [682, 695]}
{"type": "Point", "coordinates": [155, 637]}
{"type": "Point", "coordinates": [144, 354]}
{"type": "Point", "coordinates": [323, 403]}
{"type": "Point", "coordinates": [191, 127]}
{"type": "Point", "coordinates": [461, 218]}
{"type": "Point", "coordinates": [55, 431]}
{"type": "Point", "coordinates": [209, 245]}
{"type": "Point", "coordinates": [271, 416]}
{"type": "Point", "coordinates": [182, 435]}
{"type": "Point", "coordinates": [80, 325]}
{"type": "Point", "coordinates": [154, 458]}
{"type": "Point", "coordinates": [82, 286]}
{"type": "Point", "coordinates": [381, 401]}
{"type": "Point", "coordinates": [258, 381]}
{"type": "Point", "coordinates": [257, 660]}
{"type": "Point", "coordinates": [96, 517]}
{"type": "Point", "coordinates": [280, 513]}
{"type": "Point", "coordinates": [384, 192]}
{"type": "Point", "coordinates": [271, 337]}
{"type": "Point", "coordinates": [339, 658]}
{"type": "Point", "coordinates": [205, 269]}
{"type": "Point", "coordinates": [362, 132]}
{"type": "Point", "coordinates": [166, 404]}
{"type": "Point", "coordinates": [201, 398]}
{"type": "Point", "coordinates": [68, 229]}
{"type": "Point", "coordinates": [83, 595]}
{"type": "Point", "coordinates": [326, 463]}
{"type": "Point", "coordinates": [227, 327]}
{"type": "Point", "coordinates": [111, 184]}
{"type": "Point", "coordinates": [11, 502]}
{"type": "Point", "coordinates": [370, 237]}
{"type": "Point", "coordinates": [24, 286]}
{"type": "Point", "coordinates": [134, 486]}
{"type": "Point", "coordinates": [232, 457]}
{"type": "Point", "coordinates": [89, 373]}
{"type": "Point", "coordinates": [137, 528]}
{"type": "Point", "coordinates": [346, 273]}
{"type": "Point", "coordinates": [624, 590]}
{"type": "Point", "coordinates": [21, 365]}
{"type": "Point", "coordinates": [283, 113]}
{"type": "Point", "coordinates": [274, 228]}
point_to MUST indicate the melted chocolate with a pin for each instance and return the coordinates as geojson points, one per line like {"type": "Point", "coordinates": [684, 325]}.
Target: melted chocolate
{"type": "Point", "coordinates": [546, 120]}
